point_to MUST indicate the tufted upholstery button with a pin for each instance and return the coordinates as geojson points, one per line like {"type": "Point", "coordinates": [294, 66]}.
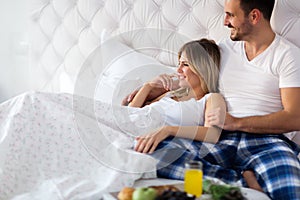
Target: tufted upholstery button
{"type": "Point", "coordinates": [130, 6]}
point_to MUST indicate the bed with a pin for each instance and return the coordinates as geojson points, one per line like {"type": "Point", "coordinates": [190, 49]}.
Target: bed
{"type": "Point", "coordinates": [103, 49]}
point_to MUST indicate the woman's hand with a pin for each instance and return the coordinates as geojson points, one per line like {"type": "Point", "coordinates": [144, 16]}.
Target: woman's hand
{"type": "Point", "coordinates": [148, 142]}
{"type": "Point", "coordinates": [166, 81]}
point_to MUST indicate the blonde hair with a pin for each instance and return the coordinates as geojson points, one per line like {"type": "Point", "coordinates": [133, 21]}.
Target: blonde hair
{"type": "Point", "coordinates": [204, 58]}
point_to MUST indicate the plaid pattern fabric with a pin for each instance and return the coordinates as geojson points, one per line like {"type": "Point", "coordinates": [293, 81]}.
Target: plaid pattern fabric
{"type": "Point", "coordinates": [273, 158]}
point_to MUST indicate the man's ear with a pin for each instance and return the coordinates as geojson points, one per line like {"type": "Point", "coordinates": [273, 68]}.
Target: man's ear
{"type": "Point", "coordinates": [255, 16]}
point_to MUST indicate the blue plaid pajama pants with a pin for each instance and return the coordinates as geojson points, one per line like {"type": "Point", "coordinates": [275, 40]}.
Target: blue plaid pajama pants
{"type": "Point", "coordinates": [273, 159]}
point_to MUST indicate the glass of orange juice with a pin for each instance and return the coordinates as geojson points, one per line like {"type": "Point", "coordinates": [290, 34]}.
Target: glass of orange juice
{"type": "Point", "coordinates": [193, 176]}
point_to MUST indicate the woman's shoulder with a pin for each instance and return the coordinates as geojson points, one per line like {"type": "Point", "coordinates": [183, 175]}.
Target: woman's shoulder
{"type": "Point", "coordinates": [213, 96]}
{"type": "Point", "coordinates": [209, 95]}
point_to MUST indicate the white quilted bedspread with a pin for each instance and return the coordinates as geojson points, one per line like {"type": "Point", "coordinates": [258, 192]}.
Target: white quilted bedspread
{"type": "Point", "coordinates": [65, 147]}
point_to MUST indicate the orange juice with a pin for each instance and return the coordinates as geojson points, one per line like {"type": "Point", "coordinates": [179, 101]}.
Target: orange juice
{"type": "Point", "coordinates": [193, 181]}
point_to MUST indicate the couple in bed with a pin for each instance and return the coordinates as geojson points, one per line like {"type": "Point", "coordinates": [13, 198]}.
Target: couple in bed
{"type": "Point", "coordinates": [259, 80]}
{"type": "Point", "coordinates": [187, 114]}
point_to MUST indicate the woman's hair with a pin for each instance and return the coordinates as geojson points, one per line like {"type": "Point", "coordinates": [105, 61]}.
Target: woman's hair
{"type": "Point", "coordinates": [204, 58]}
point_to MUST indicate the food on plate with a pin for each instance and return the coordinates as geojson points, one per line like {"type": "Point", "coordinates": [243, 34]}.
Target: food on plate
{"type": "Point", "coordinates": [216, 191]}
{"type": "Point", "coordinates": [144, 193]}
{"type": "Point", "coordinates": [174, 195]}
{"type": "Point", "coordinates": [222, 191]}
{"type": "Point", "coordinates": [126, 193]}
{"type": "Point", "coordinates": [161, 188]}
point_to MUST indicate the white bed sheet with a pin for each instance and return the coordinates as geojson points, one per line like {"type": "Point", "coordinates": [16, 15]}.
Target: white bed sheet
{"type": "Point", "coordinates": [59, 146]}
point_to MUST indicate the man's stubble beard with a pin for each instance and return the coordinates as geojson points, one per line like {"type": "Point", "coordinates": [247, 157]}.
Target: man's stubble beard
{"type": "Point", "coordinates": [239, 36]}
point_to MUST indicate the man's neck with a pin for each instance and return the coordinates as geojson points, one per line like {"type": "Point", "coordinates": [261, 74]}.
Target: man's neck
{"type": "Point", "coordinates": [258, 43]}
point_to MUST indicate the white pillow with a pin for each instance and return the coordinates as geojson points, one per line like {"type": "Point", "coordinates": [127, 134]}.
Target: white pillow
{"type": "Point", "coordinates": [124, 70]}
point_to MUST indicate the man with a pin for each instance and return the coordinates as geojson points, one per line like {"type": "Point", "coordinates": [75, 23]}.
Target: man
{"type": "Point", "coordinates": [260, 81]}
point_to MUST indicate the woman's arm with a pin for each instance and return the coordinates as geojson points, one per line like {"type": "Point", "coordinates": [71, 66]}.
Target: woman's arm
{"type": "Point", "coordinates": [148, 143]}
{"type": "Point", "coordinates": [215, 111]}
{"type": "Point", "coordinates": [199, 133]}
{"type": "Point", "coordinates": [215, 104]}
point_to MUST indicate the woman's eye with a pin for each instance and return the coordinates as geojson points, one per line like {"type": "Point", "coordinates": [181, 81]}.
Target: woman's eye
{"type": "Point", "coordinates": [183, 64]}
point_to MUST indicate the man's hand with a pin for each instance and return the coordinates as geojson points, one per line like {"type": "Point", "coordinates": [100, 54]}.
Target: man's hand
{"type": "Point", "coordinates": [129, 98]}
{"type": "Point", "coordinates": [231, 123]}
{"type": "Point", "coordinates": [216, 117]}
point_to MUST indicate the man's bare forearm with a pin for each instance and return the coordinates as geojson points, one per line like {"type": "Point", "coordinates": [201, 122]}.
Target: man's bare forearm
{"type": "Point", "coordinates": [286, 120]}
{"type": "Point", "coordinates": [275, 123]}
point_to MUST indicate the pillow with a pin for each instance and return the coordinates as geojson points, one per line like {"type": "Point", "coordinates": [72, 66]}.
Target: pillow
{"type": "Point", "coordinates": [124, 70]}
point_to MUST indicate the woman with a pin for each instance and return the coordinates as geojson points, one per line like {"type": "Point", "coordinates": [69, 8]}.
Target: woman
{"type": "Point", "coordinates": [65, 145]}
{"type": "Point", "coordinates": [198, 72]}
{"type": "Point", "coordinates": [198, 75]}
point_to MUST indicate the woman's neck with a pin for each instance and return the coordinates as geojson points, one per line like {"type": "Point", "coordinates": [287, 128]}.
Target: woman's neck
{"type": "Point", "coordinates": [196, 93]}
{"type": "Point", "coordinates": [189, 93]}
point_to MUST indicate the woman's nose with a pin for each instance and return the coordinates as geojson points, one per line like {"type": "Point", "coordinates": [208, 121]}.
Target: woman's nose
{"type": "Point", "coordinates": [179, 68]}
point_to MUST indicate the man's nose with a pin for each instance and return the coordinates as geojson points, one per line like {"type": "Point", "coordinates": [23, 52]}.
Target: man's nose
{"type": "Point", "coordinates": [226, 20]}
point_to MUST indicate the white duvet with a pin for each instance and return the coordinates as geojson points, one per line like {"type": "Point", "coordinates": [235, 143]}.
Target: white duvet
{"type": "Point", "coordinates": [59, 146]}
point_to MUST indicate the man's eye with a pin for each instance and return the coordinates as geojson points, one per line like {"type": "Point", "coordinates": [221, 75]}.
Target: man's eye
{"type": "Point", "coordinates": [229, 14]}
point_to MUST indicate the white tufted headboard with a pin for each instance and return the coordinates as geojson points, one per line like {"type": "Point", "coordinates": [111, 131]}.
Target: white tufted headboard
{"type": "Point", "coordinates": [66, 32]}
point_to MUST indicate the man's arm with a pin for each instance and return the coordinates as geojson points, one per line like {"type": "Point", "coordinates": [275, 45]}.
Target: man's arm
{"type": "Point", "coordinates": [141, 96]}
{"type": "Point", "coordinates": [153, 94]}
{"type": "Point", "coordinates": [283, 121]}
{"type": "Point", "coordinates": [160, 85]}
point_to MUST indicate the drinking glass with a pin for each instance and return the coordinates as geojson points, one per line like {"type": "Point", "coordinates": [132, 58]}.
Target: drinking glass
{"type": "Point", "coordinates": [193, 176]}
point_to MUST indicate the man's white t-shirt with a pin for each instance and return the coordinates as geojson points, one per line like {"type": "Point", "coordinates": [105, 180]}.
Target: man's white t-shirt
{"type": "Point", "coordinates": [253, 87]}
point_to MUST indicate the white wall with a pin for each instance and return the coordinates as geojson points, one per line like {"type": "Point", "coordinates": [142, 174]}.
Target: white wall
{"type": "Point", "coordinates": [14, 62]}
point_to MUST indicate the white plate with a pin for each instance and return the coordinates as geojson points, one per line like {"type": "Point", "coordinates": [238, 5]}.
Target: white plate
{"type": "Point", "coordinates": [248, 193]}
{"type": "Point", "coordinates": [251, 194]}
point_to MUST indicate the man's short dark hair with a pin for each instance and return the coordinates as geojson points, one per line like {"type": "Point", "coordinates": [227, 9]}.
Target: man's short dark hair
{"type": "Point", "coordinates": [265, 6]}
